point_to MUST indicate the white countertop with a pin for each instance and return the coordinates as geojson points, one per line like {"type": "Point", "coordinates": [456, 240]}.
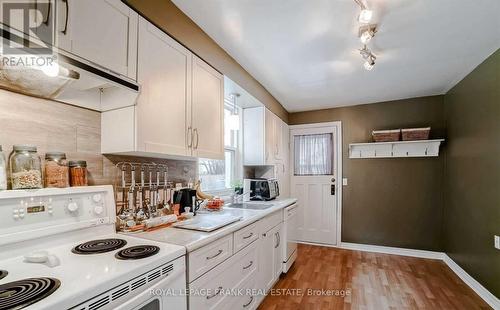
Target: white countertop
{"type": "Point", "coordinates": [193, 240]}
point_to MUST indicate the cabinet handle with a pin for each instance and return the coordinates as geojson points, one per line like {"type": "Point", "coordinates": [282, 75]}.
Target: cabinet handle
{"type": "Point", "coordinates": [217, 292]}
{"type": "Point", "coordinates": [190, 137]}
{"type": "Point", "coordinates": [214, 256]}
{"type": "Point", "coordinates": [278, 240]}
{"type": "Point", "coordinates": [249, 265]}
{"type": "Point", "coordinates": [65, 30]}
{"type": "Point", "coordinates": [248, 303]}
{"type": "Point", "coordinates": [250, 235]}
{"type": "Point", "coordinates": [46, 21]}
{"type": "Point", "coordinates": [197, 138]}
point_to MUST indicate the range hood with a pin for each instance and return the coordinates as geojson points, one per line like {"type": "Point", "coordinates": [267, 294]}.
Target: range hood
{"type": "Point", "coordinates": [77, 81]}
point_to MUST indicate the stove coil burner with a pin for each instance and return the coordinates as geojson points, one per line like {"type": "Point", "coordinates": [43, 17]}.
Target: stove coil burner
{"type": "Point", "coordinates": [3, 274]}
{"type": "Point", "coordinates": [137, 252]}
{"type": "Point", "coordinates": [20, 294]}
{"type": "Point", "coordinates": [99, 246]}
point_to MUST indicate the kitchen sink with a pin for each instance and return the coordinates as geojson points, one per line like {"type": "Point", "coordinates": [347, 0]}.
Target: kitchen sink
{"type": "Point", "coordinates": [251, 206]}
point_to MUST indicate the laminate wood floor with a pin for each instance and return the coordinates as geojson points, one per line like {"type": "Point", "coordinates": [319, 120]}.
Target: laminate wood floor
{"type": "Point", "coordinates": [369, 281]}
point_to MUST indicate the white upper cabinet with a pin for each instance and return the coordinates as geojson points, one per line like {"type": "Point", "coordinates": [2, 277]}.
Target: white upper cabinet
{"type": "Point", "coordinates": [101, 31]}
{"type": "Point", "coordinates": [263, 137]}
{"type": "Point", "coordinates": [164, 67]}
{"type": "Point", "coordinates": [179, 111]}
{"type": "Point", "coordinates": [207, 111]}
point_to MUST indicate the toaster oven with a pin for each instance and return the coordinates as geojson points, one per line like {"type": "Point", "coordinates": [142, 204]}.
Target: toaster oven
{"type": "Point", "coordinates": [261, 189]}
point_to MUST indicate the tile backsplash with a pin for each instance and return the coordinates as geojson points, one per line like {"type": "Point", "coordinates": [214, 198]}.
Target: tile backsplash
{"type": "Point", "coordinates": [54, 126]}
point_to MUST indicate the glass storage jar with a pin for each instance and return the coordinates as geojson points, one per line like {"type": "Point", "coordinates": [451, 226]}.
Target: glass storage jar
{"type": "Point", "coordinates": [3, 171]}
{"type": "Point", "coordinates": [78, 173]}
{"type": "Point", "coordinates": [56, 170]}
{"type": "Point", "coordinates": [25, 167]}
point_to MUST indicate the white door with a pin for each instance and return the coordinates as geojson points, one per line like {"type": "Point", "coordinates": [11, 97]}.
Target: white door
{"type": "Point", "coordinates": [207, 111]}
{"type": "Point", "coordinates": [101, 31]}
{"type": "Point", "coordinates": [315, 179]}
{"type": "Point", "coordinates": [164, 72]}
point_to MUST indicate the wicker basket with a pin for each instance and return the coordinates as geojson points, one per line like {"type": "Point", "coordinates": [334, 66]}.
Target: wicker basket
{"type": "Point", "coordinates": [386, 135]}
{"type": "Point", "coordinates": [412, 134]}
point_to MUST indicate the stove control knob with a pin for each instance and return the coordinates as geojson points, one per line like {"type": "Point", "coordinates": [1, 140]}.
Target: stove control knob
{"type": "Point", "coordinates": [96, 197]}
{"type": "Point", "coordinates": [98, 209]}
{"type": "Point", "coordinates": [72, 206]}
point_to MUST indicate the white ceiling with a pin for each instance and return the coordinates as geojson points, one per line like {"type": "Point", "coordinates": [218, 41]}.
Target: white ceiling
{"type": "Point", "coordinates": [305, 51]}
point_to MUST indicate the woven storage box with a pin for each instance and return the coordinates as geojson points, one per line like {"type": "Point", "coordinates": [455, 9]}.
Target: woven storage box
{"type": "Point", "coordinates": [386, 135]}
{"type": "Point", "coordinates": [412, 134]}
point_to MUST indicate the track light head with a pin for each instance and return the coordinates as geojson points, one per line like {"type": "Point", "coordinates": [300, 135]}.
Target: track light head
{"type": "Point", "coordinates": [365, 16]}
{"type": "Point", "coordinates": [369, 65]}
{"type": "Point", "coordinates": [366, 33]}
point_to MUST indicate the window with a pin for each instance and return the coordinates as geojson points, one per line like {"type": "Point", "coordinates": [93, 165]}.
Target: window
{"type": "Point", "coordinates": [313, 154]}
{"type": "Point", "coordinates": [221, 175]}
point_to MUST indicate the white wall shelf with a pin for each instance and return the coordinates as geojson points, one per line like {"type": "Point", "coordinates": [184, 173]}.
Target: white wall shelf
{"type": "Point", "coordinates": [420, 148]}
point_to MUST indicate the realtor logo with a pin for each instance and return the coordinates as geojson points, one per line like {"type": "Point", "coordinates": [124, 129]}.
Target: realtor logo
{"type": "Point", "coordinates": [27, 28]}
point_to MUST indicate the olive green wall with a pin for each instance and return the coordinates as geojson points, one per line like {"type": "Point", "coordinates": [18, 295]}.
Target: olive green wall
{"type": "Point", "coordinates": [168, 17]}
{"type": "Point", "coordinates": [392, 202]}
{"type": "Point", "coordinates": [472, 173]}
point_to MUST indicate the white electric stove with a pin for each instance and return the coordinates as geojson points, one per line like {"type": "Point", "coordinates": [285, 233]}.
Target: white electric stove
{"type": "Point", "coordinates": [59, 250]}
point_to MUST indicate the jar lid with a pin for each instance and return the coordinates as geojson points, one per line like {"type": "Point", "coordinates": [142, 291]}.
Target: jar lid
{"type": "Point", "coordinates": [25, 147]}
{"type": "Point", "coordinates": [55, 155]}
{"type": "Point", "coordinates": [77, 163]}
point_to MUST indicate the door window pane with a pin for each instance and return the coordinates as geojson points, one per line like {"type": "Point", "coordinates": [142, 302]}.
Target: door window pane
{"type": "Point", "coordinates": [313, 154]}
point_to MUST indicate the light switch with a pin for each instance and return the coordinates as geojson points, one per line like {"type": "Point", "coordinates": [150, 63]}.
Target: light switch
{"type": "Point", "coordinates": [344, 181]}
{"type": "Point", "coordinates": [497, 242]}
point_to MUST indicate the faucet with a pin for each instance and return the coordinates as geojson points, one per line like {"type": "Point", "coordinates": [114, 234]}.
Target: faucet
{"type": "Point", "coordinates": [235, 197]}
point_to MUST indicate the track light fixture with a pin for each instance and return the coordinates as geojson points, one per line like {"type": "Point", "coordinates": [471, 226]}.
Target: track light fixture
{"type": "Point", "coordinates": [366, 33]}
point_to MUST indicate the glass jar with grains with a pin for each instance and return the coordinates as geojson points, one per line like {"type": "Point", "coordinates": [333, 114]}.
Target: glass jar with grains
{"type": "Point", "coordinates": [25, 167]}
{"type": "Point", "coordinates": [78, 173]}
{"type": "Point", "coordinates": [3, 171]}
{"type": "Point", "coordinates": [56, 170]}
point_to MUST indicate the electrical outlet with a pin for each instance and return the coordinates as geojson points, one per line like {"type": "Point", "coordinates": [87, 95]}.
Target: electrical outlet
{"type": "Point", "coordinates": [497, 242]}
{"type": "Point", "coordinates": [344, 181]}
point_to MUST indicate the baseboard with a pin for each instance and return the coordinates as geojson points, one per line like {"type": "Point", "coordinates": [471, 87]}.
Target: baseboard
{"type": "Point", "coordinates": [392, 250]}
{"type": "Point", "coordinates": [486, 295]}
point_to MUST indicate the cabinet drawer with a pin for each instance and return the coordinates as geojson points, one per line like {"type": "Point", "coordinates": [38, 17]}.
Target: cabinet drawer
{"type": "Point", "coordinates": [204, 259]}
{"type": "Point", "coordinates": [247, 262]}
{"type": "Point", "coordinates": [218, 283]}
{"type": "Point", "coordinates": [245, 236]}
{"type": "Point", "coordinates": [248, 300]}
{"type": "Point", "coordinates": [271, 221]}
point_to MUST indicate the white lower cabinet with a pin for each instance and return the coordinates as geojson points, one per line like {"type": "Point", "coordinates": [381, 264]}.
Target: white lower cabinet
{"type": "Point", "coordinates": [271, 255]}
{"type": "Point", "coordinates": [215, 289]}
{"type": "Point", "coordinates": [235, 271]}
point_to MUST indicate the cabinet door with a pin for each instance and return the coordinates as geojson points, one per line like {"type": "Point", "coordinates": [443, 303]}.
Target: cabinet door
{"type": "Point", "coordinates": [278, 140]}
{"type": "Point", "coordinates": [164, 72]}
{"type": "Point", "coordinates": [270, 144]}
{"type": "Point", "coordinates": [266, 260]}
{"type": "Point", "coordinates": [101, 31]}
{"type": "Point", "coordinates": [207, 111]}
{"type": "Point", "coordinates": [283, 167]}
{"type": "Point", "coordinates": [279, 242]}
